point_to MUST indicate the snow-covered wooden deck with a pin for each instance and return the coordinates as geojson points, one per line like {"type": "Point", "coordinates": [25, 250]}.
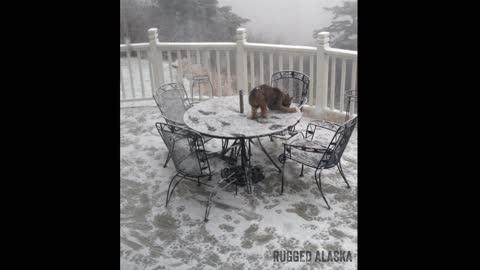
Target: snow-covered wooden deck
{"type": "Point", "coordinates": [243, 230]}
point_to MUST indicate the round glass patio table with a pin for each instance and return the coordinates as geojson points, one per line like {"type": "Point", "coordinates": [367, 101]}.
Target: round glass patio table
{"type": "Point", "coordinates": [220, 117]}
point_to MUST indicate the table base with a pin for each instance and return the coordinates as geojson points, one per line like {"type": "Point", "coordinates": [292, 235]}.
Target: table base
{"type": "Point", "coordinates": [244, 174]}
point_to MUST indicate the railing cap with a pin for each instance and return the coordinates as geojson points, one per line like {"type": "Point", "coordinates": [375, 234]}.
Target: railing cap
{"type": "Point", "coordinates": [152, 30]}
{"type": "Point", "coordinates": [153, 34]}
{"type": "Point", "coordinates": [241, 34]}
{"type": "Point", "coordinates": [323, 38]}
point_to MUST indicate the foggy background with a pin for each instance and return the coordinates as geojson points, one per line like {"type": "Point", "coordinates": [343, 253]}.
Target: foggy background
{"type": "Point", "coordinates": [267, 21]}
{"type": "Point", "coordinates": [283, 21]}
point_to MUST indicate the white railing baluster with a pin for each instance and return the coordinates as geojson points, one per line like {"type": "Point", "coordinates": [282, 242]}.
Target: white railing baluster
{"type": "Point", "coordinates": [270, 66]}
{"type": "Point", "coordinates": [139, 58]}
{"type": "Point", "coordinates": [333, 70]}
{"type": "Point", "coordinates": [161, 68]}
{"type": "Point", "coordinates": [229, 79]}
{"type": "Point", "coordinates": [150, 68]}
{"type": "Point", "coordinates": [321, 71]}
{"type": "Point", "coordinates": [290, 62]}
{"type": "Point", "coordinates": [290, 82]}
{"type": "Point", "coordinates": [300, 66]}
{"type": "Point", "coordinates": [252, 71]}
{"type": "Point", "coordinates": [208, 65]}
{"type": "Point", "coordinates": [130, 73]}
{"type": "Point", "coordinates": [190, 72]}
{"type": "Point", "coordinates": [325, 80]}
{"type": "Point", "coordinates": [180, 67]}
{"type": "Point", "coordinates": [169, 55]}
{"type": "Point", "coordinates": [199, 64]}
{"type": "Point", "coordinates": [311, 74]}
{"type": "Point", "coordinates": [122, 84]}
{"type": "Point", "coordinates": [189, 67]}
{"type": "Point", "coordinates": [280, 61]}
{"type": "Point", "coordinates": [342, 85]}
{"type": "Point", "coordinates": [219, 78]}
{"type": "Point", "coordinates": [197, 54]}
{"type": "Point", "coordinates": [245, 77]}
{"type": "Point", "coordinates": [262, 77]}
{"type": "Point", "coordinates": [353, 84]}
{"type": "Point", "coordinates": [300, 63]}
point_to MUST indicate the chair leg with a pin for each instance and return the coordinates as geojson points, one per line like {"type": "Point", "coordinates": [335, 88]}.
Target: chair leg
{"type": "Point", "coordinates": [301, 173]}
{"type": "Point", "coordinates": [318, 180]}
{"type": "Point", "coordinates": [174, 186]}
{"type": "Point", "coordinates": [283, 174]}
{"type": "Point", "coordinates": [168, 158]}
{"type": "Point", "coordinates": [207, 208]}
{"type": "Point", "coordinates": [339, 166]}
{"type": "Point", "coordinates": [168, 190]}
{"type": "Point", "coordinates": [271, 138]}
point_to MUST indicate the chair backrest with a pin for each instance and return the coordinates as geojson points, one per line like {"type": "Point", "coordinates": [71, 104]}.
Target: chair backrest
{"type": "Point", "coordinates": [201, 85]}
{"type": "Point", "coordinates": [337, 145]}
{"type": "Point", "coordinates": [350, 102]}
{"type": "Point", "coordinates": [186, 148]}
{"type": "Point", "coordinates": [294, 83]}
{"type": "Point", "coordinates": [171, 105]}
{"type": "Point", "coordinates": [180, 90]}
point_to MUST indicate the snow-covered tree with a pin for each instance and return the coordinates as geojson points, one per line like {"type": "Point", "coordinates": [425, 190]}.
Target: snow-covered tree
{"type": "Point", "coordinates": [343, 29]}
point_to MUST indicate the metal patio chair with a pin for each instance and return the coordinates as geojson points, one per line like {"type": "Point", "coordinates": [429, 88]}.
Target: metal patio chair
{"type": "Point", "coordinates": [296, 84]}
{"type": "Point", "coordinates": [172, 102]}
{"type": "Point", "coordinates": [190, 159]}
{"type": "Point", "coordinates": [196, 87]}
{"type": "Point", "coordinates": [180, 90]}
{"type": "Point", "coordinates": [316, 154]}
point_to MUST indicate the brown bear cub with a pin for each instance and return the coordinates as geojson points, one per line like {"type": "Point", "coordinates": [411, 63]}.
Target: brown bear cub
{"type": "Point", "coordinates": [264, 96]}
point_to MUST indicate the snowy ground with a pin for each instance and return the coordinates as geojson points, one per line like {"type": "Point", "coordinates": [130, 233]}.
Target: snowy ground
{"type": "Point", "coordinates": [243, 230]}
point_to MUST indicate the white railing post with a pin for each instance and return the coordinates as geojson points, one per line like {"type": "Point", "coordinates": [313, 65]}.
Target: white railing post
{"type": "Point", "coordinates": [241, 64]}
{"type": "Point", "coordinates": [322, 73]}
{"type": "Point", "coordinates": [155, 58]}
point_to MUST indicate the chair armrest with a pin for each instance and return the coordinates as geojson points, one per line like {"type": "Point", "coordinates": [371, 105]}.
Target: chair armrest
{"type": "Point", "coordinates": [302, 103]}
{"type": "Point", "coordinates": [170, 121]}
{"type": "Point", "coordinates": [311, 148]}
{"type": "Point", "coordinates": [313, 125]}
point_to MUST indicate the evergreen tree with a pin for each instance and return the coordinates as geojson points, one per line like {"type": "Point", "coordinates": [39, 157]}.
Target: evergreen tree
{"type": "Point", "coordinates": [343, 29]}
{"type": "Point", "coordinates": [179, 20]}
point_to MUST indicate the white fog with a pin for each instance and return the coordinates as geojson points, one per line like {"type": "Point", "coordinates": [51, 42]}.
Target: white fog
{"type": "Point", "coordinates": [285, 21]}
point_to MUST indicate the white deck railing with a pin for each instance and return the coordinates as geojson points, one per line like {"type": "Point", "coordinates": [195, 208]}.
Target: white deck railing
{"type": "Point", "coordinates": [234, 66]}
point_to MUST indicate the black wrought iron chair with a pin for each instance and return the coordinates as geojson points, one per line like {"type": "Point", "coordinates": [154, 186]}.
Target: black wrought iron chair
{"type": "Point", "coordinates": [186, 148]}
{"type": "Point", "coordinates": [350, 99]}
{"type": "Point", "coordinates": [190, 159]}
{"type": "Point", "coordinates": [172, 106]}
{"type": "Point", "coordinates": [296, 85]}
{"type": "Point", "coordinates": [180, 90]}
{"type": "Point", "coordinates": [172, 102]}
{"type": "Point", "coordinates": [316, 154]}
{"type": "Point", "coordinates": [199, 83]}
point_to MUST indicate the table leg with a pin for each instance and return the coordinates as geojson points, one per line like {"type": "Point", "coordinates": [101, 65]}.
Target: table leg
{"type": "Point", "coordinates": [245, 165]}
